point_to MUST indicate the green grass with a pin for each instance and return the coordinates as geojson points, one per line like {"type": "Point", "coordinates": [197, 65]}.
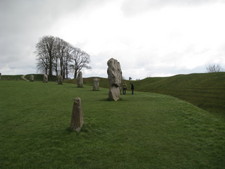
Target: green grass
{"type": "Point", "coordinates": [146, 130]}
{"type": "Point", "coordinates": [206, 90]}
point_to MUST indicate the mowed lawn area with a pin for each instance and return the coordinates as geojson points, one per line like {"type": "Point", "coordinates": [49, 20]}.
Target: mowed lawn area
{"type": "Point", "coordinates": [141, 131]}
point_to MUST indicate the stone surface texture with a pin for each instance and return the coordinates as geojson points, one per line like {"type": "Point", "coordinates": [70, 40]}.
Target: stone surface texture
{"type": "Point", "coordinates": [80, 80]}
{"type": "Point", "coordinates": [31, 78]}
{"type": "Point", "coordinates": [45, 78]}
{"type": "Point", "coordinates": [60, 80]}
{"type": "Point", "coordinates": [77, 115]}
{"type": "Point", "coordinates": [115, 77]}
{"type": "Point", "coordinates": [95, 84]}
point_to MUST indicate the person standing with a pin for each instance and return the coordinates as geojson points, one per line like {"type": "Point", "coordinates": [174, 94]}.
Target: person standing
{"type": "Point", "coordinates": [132, 88]}
{"type": "Point", "coordinates": [124, 88]}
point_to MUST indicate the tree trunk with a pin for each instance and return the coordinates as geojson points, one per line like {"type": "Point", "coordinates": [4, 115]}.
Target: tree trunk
{"type": "Point", "coordinates": [50, 61]}
{"type": "Point", "coordinates": [46, 70]}
{"type": "Point", "coordinates": [61, 67]}
{"type": "Point", "coordinates": [75, 73]}
{"type": "Point", "coordinates": [67, 72]}
{"type": "Point", "coordinates": [50, 67]}
{"type": "Point", "coordinates": [56, 66]}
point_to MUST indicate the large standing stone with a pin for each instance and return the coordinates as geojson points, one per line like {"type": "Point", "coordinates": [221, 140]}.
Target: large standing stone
{"type": "Point", "coordinates": [115, 77]}
{"type": "Point", "coordinates": [77, 115]}
{"type": "Point", "coordinates": [80, 80]}
{"type": "Point", "coordinates": [45, 78]}
{"type": "Point", "coordinates": [95, 84]}
{"type": "Point", "coordinates": [114, 93]}
{"type": "Point", "coordinates": [31, 78]}
{"type": "Point", "coordinates": [60, 80]}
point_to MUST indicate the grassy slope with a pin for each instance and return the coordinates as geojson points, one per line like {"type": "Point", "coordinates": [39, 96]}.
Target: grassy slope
{"type": "Point", "coordinates": [11, 77]}
{"type": "Point", "coordinates": [141, 131]}
{"type": "Point", "coordinates": [206, 90]}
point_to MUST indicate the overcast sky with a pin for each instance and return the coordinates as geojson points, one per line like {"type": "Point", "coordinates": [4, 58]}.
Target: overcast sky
{"type": "Point", "coordinates": [148, 37]}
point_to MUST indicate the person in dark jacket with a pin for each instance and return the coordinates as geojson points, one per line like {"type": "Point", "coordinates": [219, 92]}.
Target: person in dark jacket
{"type": "Point", "coordinates": [124, 88]}
{"type": "Point", "coordinates": [132, 88]}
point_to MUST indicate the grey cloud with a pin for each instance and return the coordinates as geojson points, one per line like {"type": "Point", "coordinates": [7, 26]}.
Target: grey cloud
{"type": "Point", "coordinates": [23, 22]}
{"type": "Point", "coordinates": [132, 7]}
{"type": "Point", "coordinates": [24, 14]}
{"type": "Point", "coordinates": [21, 16]}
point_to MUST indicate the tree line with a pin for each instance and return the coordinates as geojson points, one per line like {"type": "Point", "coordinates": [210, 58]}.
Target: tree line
{"type": "Point", "coordinates": [57, 57]}
{"type": "Point", "coordinates": [214, 68]}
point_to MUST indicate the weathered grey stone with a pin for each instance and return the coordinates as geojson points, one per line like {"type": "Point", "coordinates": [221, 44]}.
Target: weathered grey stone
{"type": "Point", "coordinates": [60, 80]}
{"type": "Point", "coordinates": [114, 93]}
{"type": "Point", "coordinates": [80, 80]}
{"type": "Point", "coordinates": [31, 78]}
{"type": "Point", "coordinates": [114, 72]}
{"type": "Point", "coordinates": [45, 78]}
{"type": "Point", "coordinates": [77, 115]}
{"type": "Point", "coordinates": [95, 84]}
{"type": "Point", "coordinates": [115, 77]}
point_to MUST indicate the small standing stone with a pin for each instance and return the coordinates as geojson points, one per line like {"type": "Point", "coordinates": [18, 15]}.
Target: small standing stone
{"type": "Point", "coordinates": [95, 84]}
{"type": "Point", "coordinates": [31, 78]}
{"type": "Point", "coordinates": [60, 80]}
{"type": "Point", "coordinates": [80, 80]}
{"type": "Point", "coordinates": [45, 78]}
{"type": "Point", "coordinates": [77, 115]}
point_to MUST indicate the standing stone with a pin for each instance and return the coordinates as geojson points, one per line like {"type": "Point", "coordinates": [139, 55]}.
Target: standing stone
{"type": "Point", "coordinates": [95, 84]}
{"type": "Point", "coordinates": [60, 80]}
{"type": "Point", "coordinates": [45, 78]}
{"type": "Point", "coordinates": [80, 80]}
{"type": "Point", "coordinates": [115, 77]}
{"type": "Point", "coordinates": [77, 115]}
{"type": "Point", "coordinates": [31, 78]}
{"type": "Point", "coordinates": [0, 76]}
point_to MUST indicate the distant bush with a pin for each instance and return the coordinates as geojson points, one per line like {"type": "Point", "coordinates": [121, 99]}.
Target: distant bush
{"type": "Point", "coordinates": [214, 68]}
{"type": "Point", "coordinates": [11, 77]}
{"type": "Point", "coordinates": [39, 77]}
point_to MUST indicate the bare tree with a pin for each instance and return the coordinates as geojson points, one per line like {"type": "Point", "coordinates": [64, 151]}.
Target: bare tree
{"type": "Point", "coordinates": [80, 60]}
{"type": "Point", "coordinates": [213, 68]}
{"type": "Point", "coordinates": [45, 48]}
{"type": "Point", "coordinates": [43, 64]}
{"type": "Point", "coordinates": [67, 60]}
{"type": "Point", "coordinates": [62, 54]}
{"type": "Point", "coordinates": [57, 55]}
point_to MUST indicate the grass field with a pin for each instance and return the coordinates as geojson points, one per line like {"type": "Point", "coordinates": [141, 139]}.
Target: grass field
{"type": "Point", "coordinates": [205, 90]}
{"type": "Point", "coordinates": [146, 130]}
